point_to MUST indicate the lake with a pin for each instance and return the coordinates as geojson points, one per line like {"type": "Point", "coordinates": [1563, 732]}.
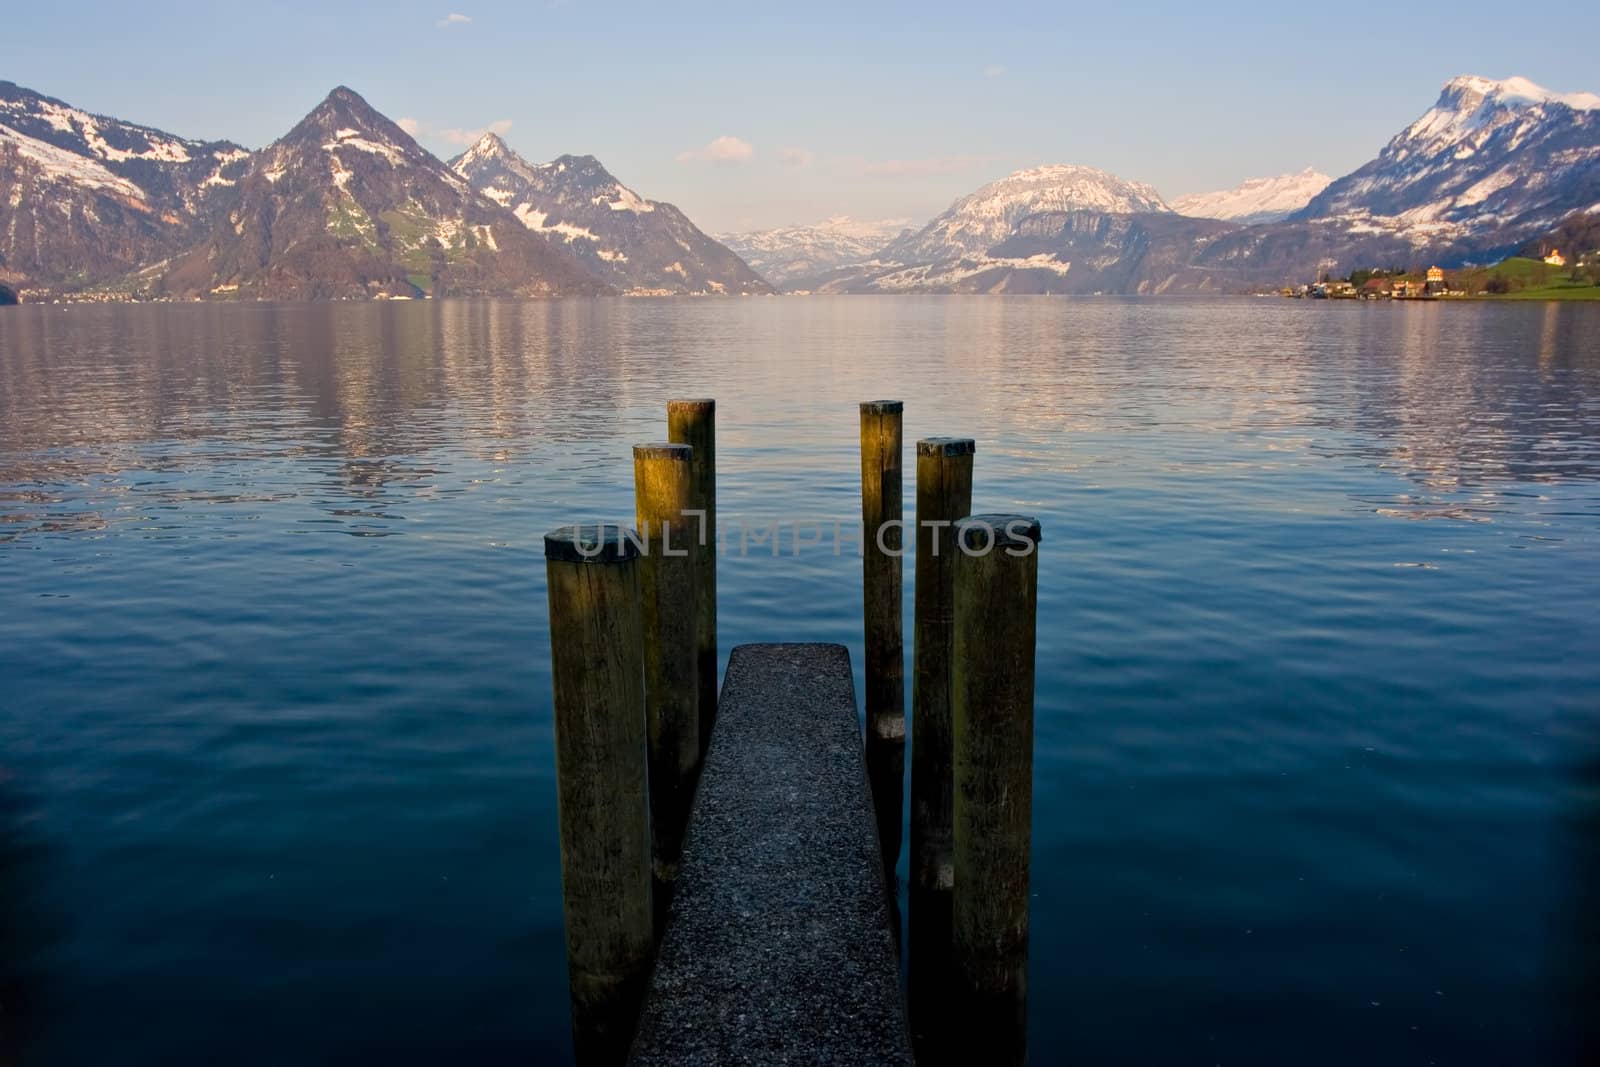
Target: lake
{"type": "Point", "coordinates": [1318, 717]}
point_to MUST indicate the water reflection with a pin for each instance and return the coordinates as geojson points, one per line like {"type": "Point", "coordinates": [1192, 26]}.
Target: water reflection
{"type": "Point", "coordinates": [1293, 757]}
{"type": "Point", "coordinates": [1456, 400]}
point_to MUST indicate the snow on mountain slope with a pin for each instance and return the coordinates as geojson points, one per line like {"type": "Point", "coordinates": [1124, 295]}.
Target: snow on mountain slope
{"type": "Point", "coordinates": [1255, 199]}
{"type": "Point", "coordinates": [86, 199]}
{"type": "Point", "coordinates": [635, 244]}
{"type": "Point", "coordinates": [790, 254]}
{"type": "Point", "coordinates": [172, 172]}
{"type": "Point", "coordinates": [59, 165]}
{"type": "Point", "coordinates": [1488, 156]}
{"type": "Point", "coordinates": [978, 221]}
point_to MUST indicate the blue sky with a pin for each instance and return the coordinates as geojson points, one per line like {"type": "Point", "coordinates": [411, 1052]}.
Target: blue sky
{"type": "Point", "coordinates": [754, 114]}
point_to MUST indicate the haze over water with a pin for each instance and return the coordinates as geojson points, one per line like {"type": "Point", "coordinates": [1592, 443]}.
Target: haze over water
{"type": "Point", "coordinates": [1317, 749]}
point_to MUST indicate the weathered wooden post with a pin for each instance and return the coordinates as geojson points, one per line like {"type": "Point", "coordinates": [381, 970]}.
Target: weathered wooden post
{"type": "Point", "coordinates": [944, 495]}
{"type": "Point", "coordinates": [882, 539]}
{"type": "Point", "coordinates": [694, 423]}
{"type": "Point", "coordinates": [662, 493]}
{"type": "Point", "coordinates": [597, 666]}
{"type": "Point", "coordinates": [996, 604]}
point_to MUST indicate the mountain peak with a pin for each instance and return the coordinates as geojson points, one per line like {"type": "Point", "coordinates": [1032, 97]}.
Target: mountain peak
{"type": "Point", "coordinates": [343, 100]}
{"type": "Point", "coordinates": [345, 118]}
{"type": "Point", "coordinates": [1468, 92]}
{"type": "Point", "coordinates": [487, 149]}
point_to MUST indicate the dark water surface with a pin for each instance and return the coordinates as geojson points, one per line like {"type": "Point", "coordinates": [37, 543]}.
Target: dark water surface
{"type": "Point", "coordinates": [1319, 657]}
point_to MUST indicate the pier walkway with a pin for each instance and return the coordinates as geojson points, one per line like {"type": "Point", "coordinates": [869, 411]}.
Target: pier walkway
{"type": "Point", "coordinates": [778, 948]}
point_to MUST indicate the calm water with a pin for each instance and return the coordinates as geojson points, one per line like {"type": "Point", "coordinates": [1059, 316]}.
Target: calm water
{"type": "Point", "coordinates": [1319, 657]}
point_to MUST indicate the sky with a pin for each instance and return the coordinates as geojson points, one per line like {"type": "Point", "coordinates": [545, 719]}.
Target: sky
{"type": "Point", "coordinates": [754, 114]}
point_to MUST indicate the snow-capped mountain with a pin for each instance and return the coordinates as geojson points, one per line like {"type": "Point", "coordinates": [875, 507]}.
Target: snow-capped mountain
{"type": "Point", "coordinates": [346, 204]}
{"type": "Point", "coordinates": [636, 244]}
{"type": "Point", "coordinates": [85, 198]}
{"type": "Point", "coordinates": [794, 254]}
{"type": "Point", "coordinates": [1489, 156]}
{"type": "Point", "coordinates": [982, 219]}
{"type": "Point", "coordinates": [1256, 199]}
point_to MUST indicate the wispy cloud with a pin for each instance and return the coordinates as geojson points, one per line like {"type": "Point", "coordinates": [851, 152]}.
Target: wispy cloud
{"type": "Point", "coordinates": [459, 136]}
{"type": "Point", "coordinates": [994, 70]}
{"type": "Point", "coordinates": [452, 134]}
{"type": "Point", "coordinates": [724, 149]}
{"type": "Point", "coordinates": [901, 168]}
{"type": "Point", "coordinates": [455, 18]}
{"type": "Point", "coordinates": [796, 157]}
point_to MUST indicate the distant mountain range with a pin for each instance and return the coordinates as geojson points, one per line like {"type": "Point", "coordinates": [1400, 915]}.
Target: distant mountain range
{"type": "Point", "coordinates": [802, 256]}
{"type": "Point", "coordinates": [1256, 199]}
{"type": "Point", "coordinates": [348, 205]}
{"type": "Point", "coordinates": [1490, 165]}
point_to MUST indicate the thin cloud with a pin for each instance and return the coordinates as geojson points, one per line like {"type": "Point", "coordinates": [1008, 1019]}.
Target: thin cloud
{"type": "Point", "coordinates": [994, 70]}
{"type": "Point", "coordinates": [796, 157]}
{"type": "Point", "coordinates": [455, 18]}
{"type": "Point", "coordinates": [725, 149]}
{"type": "Point", "coordinates": [465, 137]}
{"type": "Point", "coordinates": [901, 168]}
{"type": "Point", "coordinates": [451, 134]}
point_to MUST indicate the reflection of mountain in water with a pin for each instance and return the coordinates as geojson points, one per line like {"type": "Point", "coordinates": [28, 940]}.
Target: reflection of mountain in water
{"type": "Point", "coordinates": [1449, 415]}
{"type": "Point", "coordinates": [228, 407]}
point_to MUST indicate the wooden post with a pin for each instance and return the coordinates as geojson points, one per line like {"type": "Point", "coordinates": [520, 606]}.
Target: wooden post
{"type": "Point", "coordinates": [597, 667]}
{"type": "Point", "coordinates": [662, 493]}
{"type": "Point", "coordinates": [944, 495]}
{"type": "Point", "coordinates": [882, 538]}
{"type": "Point", "coordinates": [996, 603]}
{"type": "Point", "coordinates": [694, 423]}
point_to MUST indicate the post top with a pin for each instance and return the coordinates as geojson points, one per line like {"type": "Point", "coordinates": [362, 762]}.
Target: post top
{"type": "Point", "coordinates": [663, 450]}
{"type": "Point", "coordinates": [998, 530]}
{"type": "Point", "coordinates": [946, 446]}
{"type": "Point", "coordinates": [701, 404]}
{"type": "Point", "coordinates": [882, 407]}
{"type": "Point", "coordinates": [590, 543]}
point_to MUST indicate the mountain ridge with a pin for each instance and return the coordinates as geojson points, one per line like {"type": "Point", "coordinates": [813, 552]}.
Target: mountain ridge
{"type": "Point", "coordinates": [85, 198]}
{"type": "Point", "coordinates": [635, 244]}
{"type": "Point", "coordinates": [347, 204]}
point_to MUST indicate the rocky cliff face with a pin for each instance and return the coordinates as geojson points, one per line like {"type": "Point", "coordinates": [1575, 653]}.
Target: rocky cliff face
{"type": "Point", "coordinates": [347, 205]}
{"type": "Point", "coordinates": [85, 198]}
{"type": "Point", "coordinates": [635, 244]}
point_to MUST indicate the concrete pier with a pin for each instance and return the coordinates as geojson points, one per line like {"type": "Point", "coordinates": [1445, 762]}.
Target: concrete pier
{"type": "Point", "coordinates": [778, 947]}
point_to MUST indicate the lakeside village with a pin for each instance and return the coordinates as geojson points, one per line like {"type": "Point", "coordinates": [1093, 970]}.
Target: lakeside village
{"type": "Point", "coordinates": [1552, 275]}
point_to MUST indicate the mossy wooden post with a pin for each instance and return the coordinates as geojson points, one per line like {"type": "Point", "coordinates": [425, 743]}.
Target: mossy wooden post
{"type": "Point", "coordinates": [882, 537]}
{"type": "Point", "coordinates": [944, 495]}
{"type": "Point", "coordinates": [597, 666]}
{"type": "Point", "coordinates": [694, 423]}
{"type": "Point", "coordinates": [662, 493]}
{"type": "Point", "coordinates": [996, 603]}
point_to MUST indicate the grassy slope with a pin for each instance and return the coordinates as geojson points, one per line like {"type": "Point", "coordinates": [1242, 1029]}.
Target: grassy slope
{"type": "Point", "coordinates": [1530, 279]}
